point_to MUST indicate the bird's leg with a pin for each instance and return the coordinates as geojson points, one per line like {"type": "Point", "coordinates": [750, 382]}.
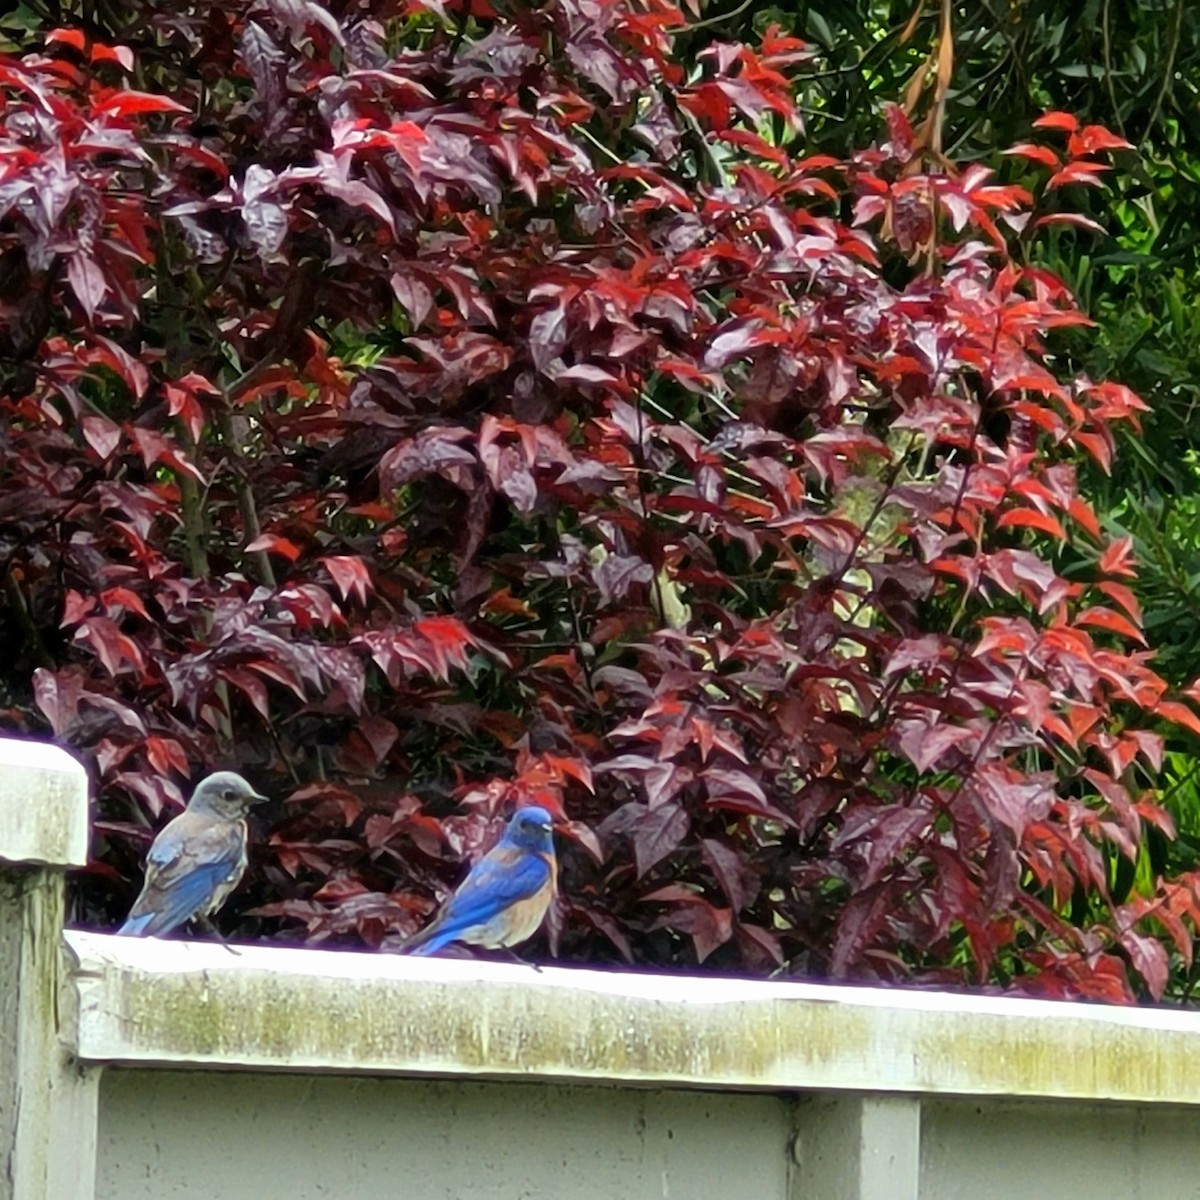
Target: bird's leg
{"type": "Point", "coordinates": [206, 924]}
{"type": "Point", "coordinates": [513, 956]}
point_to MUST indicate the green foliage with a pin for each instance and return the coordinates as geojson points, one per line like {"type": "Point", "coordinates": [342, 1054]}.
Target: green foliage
{"type": "Point", "coordinates": [1136, 69]}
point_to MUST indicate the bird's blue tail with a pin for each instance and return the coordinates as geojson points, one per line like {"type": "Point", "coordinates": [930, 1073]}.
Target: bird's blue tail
{"type": "Point", "coordinates": [435, 943]}
{"type": "Point", "coordinates": [135, 926]}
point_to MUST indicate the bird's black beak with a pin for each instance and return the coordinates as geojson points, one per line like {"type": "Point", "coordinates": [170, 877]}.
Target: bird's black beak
{"type": "Point", "coordinates": [256, 798]}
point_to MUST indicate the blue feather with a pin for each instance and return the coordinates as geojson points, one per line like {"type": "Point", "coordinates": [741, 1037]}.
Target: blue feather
{"type": "Point", "coordinates": [179, 900]}
{"type": "Point", "coordinates": [136, 926]}
{"type": "Point", "coordinates": [500, 880]}
{"type": "Point", "coordinates": [505, 895]}
{"type": "Point", "coordinates": [434, 944]}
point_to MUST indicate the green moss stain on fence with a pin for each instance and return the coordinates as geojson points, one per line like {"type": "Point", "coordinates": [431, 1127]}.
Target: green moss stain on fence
{"type": "Point", "coordinates": [566, 1025]}
{"type": "Point", "coordinates": [510, 1030]}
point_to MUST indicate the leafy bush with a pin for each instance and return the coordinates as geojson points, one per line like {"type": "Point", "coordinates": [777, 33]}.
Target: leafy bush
{"type": "Point", "coordinates": [427, 411]}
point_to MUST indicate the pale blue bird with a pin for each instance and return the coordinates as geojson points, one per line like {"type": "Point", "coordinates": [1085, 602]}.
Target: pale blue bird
{"type": "Point", "coordinates": [197, 859]}
{"type": "Point", "coordinates": [505, 896]}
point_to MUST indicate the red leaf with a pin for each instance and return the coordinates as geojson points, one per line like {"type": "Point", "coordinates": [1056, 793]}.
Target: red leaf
{"type": "Point", "coordinates": [131, 370]}
{"type": "Point", "coordinates": [1150, 747]}
{"type": "Point", "coordinates": [1012, 799]}
{"type": "Point", "coordinates": [577, 831]}
{"type": "Point", "coordinates": [112, 647]}
{"type": "Point", "coordinates": [350, 573]}
{"type": "Point", "coordinates": [157, 447]}
{"type": "Point", "coordinates": [123, 600]}
{"type": "Point", "coordinates": [616, 574]}
{"type": "Point", "coordinates": [1032, 519]}
{"type": "Point", "coordinates": [589, 374]}
{"type": "Point", "coordinates": [1098, 446]}
{"type": "Point", "coordinates": [1070, 219]}
{"type": "Point", "coordinates": [101, 434]}
{"type": "Point", "coordinates": [1117, 559]}
{"type": "Point", "coordinates": [127, 104]}
{"type": "Point", "coordinates": [183, 402]}
{"type": "Point", "coordinates": [1181, 937]}
{"type": "Point", "coordinates": [605, 924]}
{"type": "Point", "coordinates": [1149, 958]}
{"type": "Point", "coordinates": [1035, 153]}
{"type": "Point", "coordinates": [1092, 138]}
{"type": "Point", "coordinates": [121, 55]}
{"type": "Point", "coordinates": [883, 835]}
{"type": "Point", "coordinates": [1180, 714]}
{"type": "Point", "coordinates": [1083, 513]}
{"type": "Point", "coordinates": [925, 744]}
{"type": "Point", "coordinates": [75, 608]}
{"type": "Point", "coordinates": [166, 755]}
{"type": "Point", "coordinates": [722, 781]}
{"type": "Point", "coordinates": [1106, 618]}
{"type": "Point", "coordinates": [277, 672]}
{"type": "Point", "coordinates": [548, 337]}
{"type": "Point", "coordinates": [1057, 120]}
{"type": "Point", "coordinates": [274, 544]}
{"type": "Point", "coordinates": [447, 641]}
{"type": "Point", "coordinates": [75, 38]}
{"type": "Point", "coordinates": [1083, 172]}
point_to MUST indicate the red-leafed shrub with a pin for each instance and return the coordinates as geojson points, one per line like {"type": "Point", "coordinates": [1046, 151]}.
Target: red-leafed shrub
{"type": "Point", "coordinates": [428, 408]}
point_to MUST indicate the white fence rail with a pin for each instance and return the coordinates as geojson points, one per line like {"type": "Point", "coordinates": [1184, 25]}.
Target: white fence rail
{"type": "Point", "coordinates": [133, 1068]}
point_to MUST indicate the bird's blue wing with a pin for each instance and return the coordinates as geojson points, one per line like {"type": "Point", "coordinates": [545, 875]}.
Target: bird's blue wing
{"type": "Point", "coordinates": [136, 926]}
{"type": "Point", "coordinates": [501, 878]}
{"type": "Point", "coordinates": [186, 867]}
{"type": "Point", "coordinates": [170, 905]}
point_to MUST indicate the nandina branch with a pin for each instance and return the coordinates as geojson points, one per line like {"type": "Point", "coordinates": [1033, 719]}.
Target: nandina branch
{"type": "Point", "coordinates": [245, 494]}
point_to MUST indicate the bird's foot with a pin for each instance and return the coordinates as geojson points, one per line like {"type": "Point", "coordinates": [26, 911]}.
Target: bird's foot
{"type": "Point", "coordinates": [205, 924]}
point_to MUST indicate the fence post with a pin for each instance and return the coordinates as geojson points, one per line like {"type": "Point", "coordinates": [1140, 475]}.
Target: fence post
{"type": "Point", "coordinates": [47, 1102]}
{"type": "Point", "coordinates": [857, 1147]}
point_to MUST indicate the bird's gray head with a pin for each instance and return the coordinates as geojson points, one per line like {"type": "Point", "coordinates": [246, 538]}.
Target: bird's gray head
{"type": "Point", "coordinates": [531, 828]}
{"type": "Point", "coordinates": [225, 794]}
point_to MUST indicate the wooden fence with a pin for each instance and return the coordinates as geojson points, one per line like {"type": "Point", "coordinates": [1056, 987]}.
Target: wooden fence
{"type": "Point", "coordinates": [137, 1068]}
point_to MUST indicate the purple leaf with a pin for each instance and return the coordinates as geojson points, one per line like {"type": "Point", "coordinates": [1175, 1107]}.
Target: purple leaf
{"type": "Point", "coordinates": [87, 281]}
{"type": "Point", "coordinates": [617, 573]}
{"type": "Point", "coordinates": [657, 832]}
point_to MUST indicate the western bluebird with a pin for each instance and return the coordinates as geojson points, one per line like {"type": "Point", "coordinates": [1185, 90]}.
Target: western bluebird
{"type": "Point", "coordinates": [197, 859]}
{"type": "Point", "coordinates": [505, 896]}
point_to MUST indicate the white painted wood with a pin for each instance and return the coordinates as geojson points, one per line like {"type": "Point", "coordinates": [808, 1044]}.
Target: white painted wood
{"type": "Point", "coordinates": [203, 1004]}
{"type": "Point", "coordinates": [74, 1124]}
{"type": "Point", "coordinates": [204, 1135]}
{"type": "Point", "coordinates": [47, 1101]}
{"type": "Point", "coordinates": [43, 805]}
{"type": "Point", "coordinates": [1027, 1150]}
{"type": "Point", "coordinates": [858, 1148]}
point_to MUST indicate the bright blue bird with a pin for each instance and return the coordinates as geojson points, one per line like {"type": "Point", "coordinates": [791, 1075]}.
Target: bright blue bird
{"type": "Point", "coordinates": [506, 895]}
{"type": "Point", "coordinates": [197, 859]}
